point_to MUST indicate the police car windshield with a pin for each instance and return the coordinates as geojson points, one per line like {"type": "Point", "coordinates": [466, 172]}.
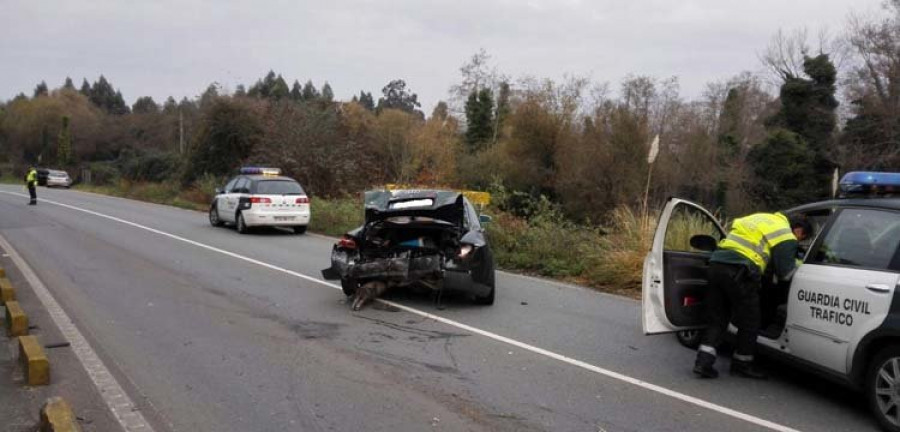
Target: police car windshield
{"type": "Point", "coordinates": [278, 187]}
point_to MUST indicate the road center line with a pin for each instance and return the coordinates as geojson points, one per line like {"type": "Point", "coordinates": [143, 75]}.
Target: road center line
{"type": "Point", "coordinates": [540, 351]}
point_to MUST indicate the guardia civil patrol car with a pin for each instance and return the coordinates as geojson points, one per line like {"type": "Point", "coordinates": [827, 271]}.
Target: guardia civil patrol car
{"type": "Point", "coordinates": [261, 197]}
{"type": "Point", "coordinates": [840, 313]}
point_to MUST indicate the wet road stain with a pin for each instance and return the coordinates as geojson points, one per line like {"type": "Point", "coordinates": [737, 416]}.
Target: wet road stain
{"type": "Point", "coordinates": [315, 329]}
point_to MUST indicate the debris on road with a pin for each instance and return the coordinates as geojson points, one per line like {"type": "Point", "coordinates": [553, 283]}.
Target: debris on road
{"type": "Point", "coordinates": [367, 292]}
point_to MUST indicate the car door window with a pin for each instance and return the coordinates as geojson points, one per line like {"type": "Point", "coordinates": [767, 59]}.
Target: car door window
{"type": "Point", "coordinates": [864, 238]}
{"type": "Point", "coordinates": [230, 185]}
{"type": "Point", "coordinates": [686, 222]}
{"type": "Point", "coordinates": [240, 186]}
{"type": "Point", "coordinates": [817, 218]}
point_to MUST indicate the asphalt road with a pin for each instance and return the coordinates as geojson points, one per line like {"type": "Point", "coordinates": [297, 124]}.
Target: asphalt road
{"type": "Point", "coordinates": [209, 330]}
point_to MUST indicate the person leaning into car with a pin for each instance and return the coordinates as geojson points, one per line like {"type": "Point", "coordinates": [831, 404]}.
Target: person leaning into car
{"type": "Point", "coordinates": [31, 183]}
{"type": "Point", "coordinates": [735, 274]}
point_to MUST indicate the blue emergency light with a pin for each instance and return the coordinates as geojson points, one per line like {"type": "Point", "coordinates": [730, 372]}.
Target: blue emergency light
{"type": "Point", "coordinates": [260, 171]}
{"type": "Point", "coordinates": [868, 183]}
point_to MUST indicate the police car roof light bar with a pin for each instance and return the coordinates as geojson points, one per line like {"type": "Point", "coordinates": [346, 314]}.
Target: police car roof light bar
{"type": "Point", "coordinates": [870, 183]}
{"type": "Point", "coordinates": [260, 171]}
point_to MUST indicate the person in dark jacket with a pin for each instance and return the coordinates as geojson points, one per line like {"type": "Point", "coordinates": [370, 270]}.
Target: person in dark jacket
{"type": "Point", "coordinates": [735, 274]}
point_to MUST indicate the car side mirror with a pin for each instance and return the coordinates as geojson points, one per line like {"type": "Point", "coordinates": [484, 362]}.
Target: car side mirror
{"type": "Point", "coordinates": [704, 242]}
{"type": "Point", "coordinates": [485, 219]}
{"type": "Point", "coordinates": [219, 191]}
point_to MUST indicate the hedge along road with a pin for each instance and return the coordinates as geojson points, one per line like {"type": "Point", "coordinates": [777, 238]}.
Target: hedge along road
{"type": "Point", "coordinates": [220, 331]}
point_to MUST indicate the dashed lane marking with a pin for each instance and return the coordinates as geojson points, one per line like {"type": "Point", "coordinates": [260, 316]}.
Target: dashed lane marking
{"type": "Point", "coordinates": [540, 351]}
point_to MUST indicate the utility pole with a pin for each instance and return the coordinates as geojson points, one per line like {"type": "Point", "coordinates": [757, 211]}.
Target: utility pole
{"type": "Point", "coordinates": [180, 132]}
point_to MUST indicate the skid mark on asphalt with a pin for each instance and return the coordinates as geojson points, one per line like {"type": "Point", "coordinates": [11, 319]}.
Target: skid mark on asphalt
{"type": "Point", "coordinates": [503, 339]}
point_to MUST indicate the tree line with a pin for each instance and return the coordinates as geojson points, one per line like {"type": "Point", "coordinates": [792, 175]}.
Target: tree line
{"type": "Point", "coordinates": [737, 147]}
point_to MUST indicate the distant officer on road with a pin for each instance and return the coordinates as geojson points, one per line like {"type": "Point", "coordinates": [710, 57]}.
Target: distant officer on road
{"type": "Point", "coordinates": [31, 182]}
{"type": "Point", "coordinates": [735, 274]}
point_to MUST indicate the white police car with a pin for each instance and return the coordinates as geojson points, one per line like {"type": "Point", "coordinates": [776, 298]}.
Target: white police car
{"type": "Point", "coordinates": [261, 197]}
{"type": "Point", "coordinates": [839, 315]}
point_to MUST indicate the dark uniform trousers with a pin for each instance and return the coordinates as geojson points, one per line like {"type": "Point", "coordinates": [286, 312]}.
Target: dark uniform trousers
{"type": "Point", "coordinates": [733, 296]}
{"type": "Point", "coordinates": [32, 190]}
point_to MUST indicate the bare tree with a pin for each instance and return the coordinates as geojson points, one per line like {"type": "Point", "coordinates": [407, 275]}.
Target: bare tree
{"type": "Point", "coordinates": [785, 54]}
{"type": "Point", "coordinates": [477, 74]}
{"type": "Point", "coordinates": [874, 88]}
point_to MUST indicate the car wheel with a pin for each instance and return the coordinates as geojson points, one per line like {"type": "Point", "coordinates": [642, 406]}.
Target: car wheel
{"type": "Point", "coordinates": [883, 388]}
{"type": "Point", "coordinates": [349, 286]}
{"type": "Point", "coordinates": [214, 216]}
{"type": "Point", "coordinates": [486, 276]}
{"type": "Point", "coordinates": [300, 229]}
{"type": "Point", "coordinates": [241, 225]}
{"type": "Point", "coordinates": [488, 299]}
{"type": "Point", "coordinates": [690, 338]}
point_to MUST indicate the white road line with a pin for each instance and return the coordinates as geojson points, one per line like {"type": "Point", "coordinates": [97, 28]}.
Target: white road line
{"type": "Point", "coordinates": [540, 351]}
{"type": "Point", "coordinates": [123, 409]}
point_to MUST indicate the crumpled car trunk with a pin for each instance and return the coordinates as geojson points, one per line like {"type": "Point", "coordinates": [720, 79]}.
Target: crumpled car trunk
{"type": "Point", "coordinates": [404, 249]}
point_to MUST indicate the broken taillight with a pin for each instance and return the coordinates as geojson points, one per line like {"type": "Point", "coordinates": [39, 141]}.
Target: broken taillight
{"type": "Point", "coordinates": [346, 243]}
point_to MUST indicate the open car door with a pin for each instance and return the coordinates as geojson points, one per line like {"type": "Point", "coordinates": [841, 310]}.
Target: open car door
{"type": "Point", "coordinates": [675, 272]}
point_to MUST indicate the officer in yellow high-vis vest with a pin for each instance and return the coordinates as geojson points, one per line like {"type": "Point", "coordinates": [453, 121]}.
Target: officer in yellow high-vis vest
{"type": "Point", "coordinates": [735, 274]}
{"type": "Point", "coordinates": [31, 179]}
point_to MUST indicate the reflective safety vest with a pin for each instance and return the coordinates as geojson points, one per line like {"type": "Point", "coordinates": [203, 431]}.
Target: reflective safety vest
{"type": "Point", "coordinates": [32, 177]}
{"type": "Point", "coordinates": [754, 236]}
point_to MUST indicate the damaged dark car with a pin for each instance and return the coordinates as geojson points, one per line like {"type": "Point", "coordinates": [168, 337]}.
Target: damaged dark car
{"type": "Point", "coordinates": [430, 239]}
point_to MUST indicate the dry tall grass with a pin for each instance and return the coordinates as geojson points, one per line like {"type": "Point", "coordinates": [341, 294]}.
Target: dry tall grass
{"type": "Point", "coordinates": [622, 252]}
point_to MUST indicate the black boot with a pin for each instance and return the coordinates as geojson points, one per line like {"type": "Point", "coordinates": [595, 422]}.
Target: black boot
{"type": "Point", "coordinates": [747, 369]}
{"type": "Point", "coordinates": [703, 366]}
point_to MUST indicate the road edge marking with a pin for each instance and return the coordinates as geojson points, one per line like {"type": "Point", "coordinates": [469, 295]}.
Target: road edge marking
{"type": "Point", "coordinates": [123, 409]}
{"type": "Point", "coordinates": [503, 339]}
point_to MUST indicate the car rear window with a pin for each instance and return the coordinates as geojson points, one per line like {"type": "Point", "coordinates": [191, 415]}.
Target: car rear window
{"type": "Point", "coordinates": [278, 187]}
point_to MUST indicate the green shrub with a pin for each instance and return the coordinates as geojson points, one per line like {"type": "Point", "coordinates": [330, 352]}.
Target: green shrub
{"type": "Point", "coordinates": [104, 173]}
{"type": "Point", "coordinates": [546, 243]}
{"type": "Point", "coordinates": [336, 216]}
{"type": "Point", "coordinates": [149, 167]}
{"type": "Point", "coordinates": [200, 194]}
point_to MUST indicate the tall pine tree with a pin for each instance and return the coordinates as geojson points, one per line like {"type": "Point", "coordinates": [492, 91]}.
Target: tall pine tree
{"type": "Point", "coordinates": [309, 93]}
{"type": "Point", "coordinates": [479, 119]}
{"type": "Point", "coordinates": [41, 89]}
{"type": "Point", "coordinates": [327, 93]}
{"type": "Point", "coordinates": [794, 165]}
{"type": "Point", "coordinates": [64, 144]}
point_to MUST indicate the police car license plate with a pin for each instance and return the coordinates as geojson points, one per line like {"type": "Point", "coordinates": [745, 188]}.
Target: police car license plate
{"type": "Point", "coordinates": [284, 218]}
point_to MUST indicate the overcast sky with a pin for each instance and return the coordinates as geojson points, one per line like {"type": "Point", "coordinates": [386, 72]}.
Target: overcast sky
{"type": "Point", "coordinates": [162, 48]}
